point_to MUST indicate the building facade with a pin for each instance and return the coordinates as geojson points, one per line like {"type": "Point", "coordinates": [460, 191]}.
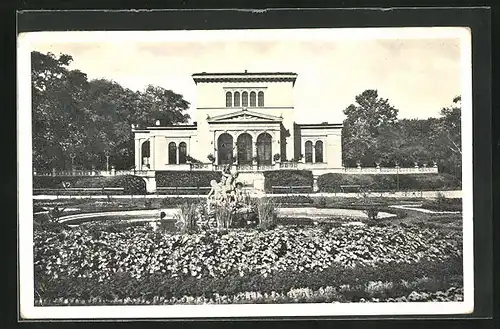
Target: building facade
{"type": "Point", "coordinates": [242, 118]}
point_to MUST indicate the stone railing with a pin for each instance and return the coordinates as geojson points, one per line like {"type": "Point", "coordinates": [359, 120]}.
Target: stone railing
{"type": "Point", "coordinates": [317, 168]}
{"type": "Point", "coordinates": [386, 170]}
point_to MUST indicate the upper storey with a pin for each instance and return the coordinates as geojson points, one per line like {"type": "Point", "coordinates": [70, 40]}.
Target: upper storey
{"type": "Point", "coordinates": [245, 90]}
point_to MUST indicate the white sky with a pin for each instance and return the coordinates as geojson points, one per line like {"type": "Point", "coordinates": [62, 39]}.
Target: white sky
{"type": "Point", "coordinates": [418, 72]}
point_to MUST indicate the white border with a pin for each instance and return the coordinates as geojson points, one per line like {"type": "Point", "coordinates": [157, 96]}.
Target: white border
{"type": "Point", "coordinates": [25, 222]}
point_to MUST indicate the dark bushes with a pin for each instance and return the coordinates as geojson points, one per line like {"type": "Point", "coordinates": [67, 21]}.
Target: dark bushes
{"type": "Point", "coordinates": [130, 183]}
{"type": "Point", "coordinates": [288, 178]}
{"type": "Point", "coordinates": [186, 178]}
{"type": "Point", "coordinates": [389, 182]}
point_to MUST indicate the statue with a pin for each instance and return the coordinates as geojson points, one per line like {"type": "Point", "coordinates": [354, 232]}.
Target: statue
{"type": "Point", "coordinates": [226, 191]}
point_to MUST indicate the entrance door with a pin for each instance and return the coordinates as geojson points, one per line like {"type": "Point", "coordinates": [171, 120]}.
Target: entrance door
{"type": "Point", "coordinates": [225, 149]}
{"type": "Point", "coordinates": [264, 149]}
{"type": "Point", "coordinates": [244, 143]}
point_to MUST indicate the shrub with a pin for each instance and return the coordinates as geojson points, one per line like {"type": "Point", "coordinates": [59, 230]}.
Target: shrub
{"type": "Point", "coordinates": [185, 178]}
{"type": "Point", "coordinates": [291, 200]}
{"type": "Point", "coordinates": [130, 183]}
{"type": "Point", "coordinates": [372, 212]}
{"type": "Point", "coordinates": [332, 182]}
{"type": "Point", "coordinates": [443, 204]}
{"type": "Point", "coordinates": [175, 201]}
{"type": "Point", "coordinates": [267, 213]}
{"type": "Point", "coordinates": [288, 178]}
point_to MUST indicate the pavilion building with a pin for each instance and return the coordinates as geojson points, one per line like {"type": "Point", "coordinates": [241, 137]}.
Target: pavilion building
{"type": "Point", "coordinates": [242, 118]}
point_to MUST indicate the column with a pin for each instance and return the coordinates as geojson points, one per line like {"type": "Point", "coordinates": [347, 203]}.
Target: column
{"type": "Point", "coordinates": [215, 148]}
{"type": "Point", "coordinates": [177, 153]}
{"type": "Point", "coordinates": [254, 149]}
{"type": "Point", "coordinates": [314, 151]}
{"type": "Point", "coordinates": [137, 154]}
{"type": "Point", "coordinates": [303, 152]}
{"type": "Point", "coordinates": [152, 153]}
{"type": "Point", "coordinates": [275, 146]}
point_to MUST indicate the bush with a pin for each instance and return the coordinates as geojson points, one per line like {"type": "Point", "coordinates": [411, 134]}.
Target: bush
{"type": "Point", "coordinates": [332, 182]}
{"type": "Point", "coordinates": [186, 178]}
{"type": "Point", "coordinates": [173, 202]}
{"type": "Point", "coordinates": [130, 183]}
{"type": "Point", "coordinates": [443, 204]}
{"type": "Point", "coordinates": [288, 178]}
{"type": "Point", "coordinates": [294, 200]}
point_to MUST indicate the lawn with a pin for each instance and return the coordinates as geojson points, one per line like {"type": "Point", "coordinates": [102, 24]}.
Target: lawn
{"type": "Point", "coordinates": [412, 257]}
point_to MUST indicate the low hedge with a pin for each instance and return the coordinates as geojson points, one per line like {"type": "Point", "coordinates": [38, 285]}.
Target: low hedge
{"type": "Point", "coordinates": [130, 183]}
{"type": "Point", "coordinates": [186, 178]}
{"type": "Point", "coordinates": [288, 178]}
{"type": "Point", "coordinates": [352, 283]}
{"type": "Point", "coordinates": [430, 182]}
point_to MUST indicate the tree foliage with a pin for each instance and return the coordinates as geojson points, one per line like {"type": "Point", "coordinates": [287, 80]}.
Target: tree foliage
{"type": "Point", "coordinates": [90, 119]}
{"type": "Point", "coordinates": [371, 117]}
{"type": "Point", "coordinates": [372, 134]}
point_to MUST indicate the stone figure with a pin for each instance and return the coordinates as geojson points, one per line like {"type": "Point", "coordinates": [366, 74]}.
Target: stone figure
{"type": "Point", "coordinates": [226, 190]}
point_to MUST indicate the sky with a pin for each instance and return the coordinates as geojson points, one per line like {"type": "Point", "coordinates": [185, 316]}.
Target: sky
{"type": "Point", "coordinates": [419, 73]}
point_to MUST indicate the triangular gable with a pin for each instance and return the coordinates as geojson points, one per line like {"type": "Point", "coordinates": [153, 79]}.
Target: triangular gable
{"type": "Point", "coordinates": [245, 115]}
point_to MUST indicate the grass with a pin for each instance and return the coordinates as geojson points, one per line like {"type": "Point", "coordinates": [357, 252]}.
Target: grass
{"type": "Point", "coordinates": [223, 216]}
{"type": "Point", "coordinates": [186, 218]}
{"type": "Point", "coordinates": [267, 213]}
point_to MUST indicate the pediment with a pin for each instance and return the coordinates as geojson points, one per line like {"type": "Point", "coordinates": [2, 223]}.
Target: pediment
{"type": "Point", "coordinates": [244, 116]}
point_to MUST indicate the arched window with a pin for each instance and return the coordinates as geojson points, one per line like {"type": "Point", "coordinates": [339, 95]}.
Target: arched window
{"type": "Point", "coordinates": [225, 149]}
{"type": "Point", "coordinates": [145, 153]}
{"type": "Point", "coordinates": [229, 99]}
{"type": "Point", "coordinates": [309, 152]}
{"type": "Point", "coordinates": [253, 99]}
{"type": "Point", "coordinates": [244, 143]}
{"type": "Point", "coordinates": [244, 99]}
{"type": "Point", "coordinates": [172, 153]}
{"type": "Point", "coordinates": [261, 99]}
{"type": "Point", "coordinates": [182, 152]}
{"type": "Point", "coordinates": [237, 98]}
{"type": "Point", "coordinates": [318, 151]}
{"type": "Point", "coordinates": [264, 149]}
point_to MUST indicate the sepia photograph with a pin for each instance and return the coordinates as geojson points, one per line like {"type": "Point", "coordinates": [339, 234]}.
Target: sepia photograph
{"type": "Point", "coordinates": [298, 172]}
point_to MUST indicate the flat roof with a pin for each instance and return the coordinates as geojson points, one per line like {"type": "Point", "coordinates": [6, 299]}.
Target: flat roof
{"type": "Point", "coordinates": [245, 77]}
{"type": "Point", "coordinates": [320, 125]}
{"type": "Point", "coordinates": [242, 73]}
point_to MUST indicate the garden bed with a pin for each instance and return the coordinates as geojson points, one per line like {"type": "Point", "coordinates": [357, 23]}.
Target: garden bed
{"type": "Point", "coordinates": [136, 265]}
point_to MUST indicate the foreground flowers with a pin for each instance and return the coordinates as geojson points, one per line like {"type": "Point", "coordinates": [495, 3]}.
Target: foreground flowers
{"type": "Point", "coordinates": [289, 264]}
{"type": "Point", "coordinates": [137, 250]}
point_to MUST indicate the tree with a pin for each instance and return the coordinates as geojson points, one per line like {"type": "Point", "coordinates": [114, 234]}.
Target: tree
{"type": "Point", "coordinates": [58, 111]}
{"type": "Point", "coordinates": [157, 103]}
{"type": "Point", "coordinates": [364, 124]}
{"type": "Point", "coordinates": [90, 119]}
{"type": "Point", "coordinates": [447, 138]}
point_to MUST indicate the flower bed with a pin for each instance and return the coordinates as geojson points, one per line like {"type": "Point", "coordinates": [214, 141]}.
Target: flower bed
{"type": "Point", "coordinates": [335, 284]}
{"type": "Point", "coordinates": [246, 260]}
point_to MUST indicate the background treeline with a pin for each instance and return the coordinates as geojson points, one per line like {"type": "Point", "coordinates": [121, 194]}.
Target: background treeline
{"type": "Point", "coordinates": [372, 134]}
{"type": "Point", "coordinates": [89, 119]}
{"type": "Point", "coordinates": [73, 116]}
